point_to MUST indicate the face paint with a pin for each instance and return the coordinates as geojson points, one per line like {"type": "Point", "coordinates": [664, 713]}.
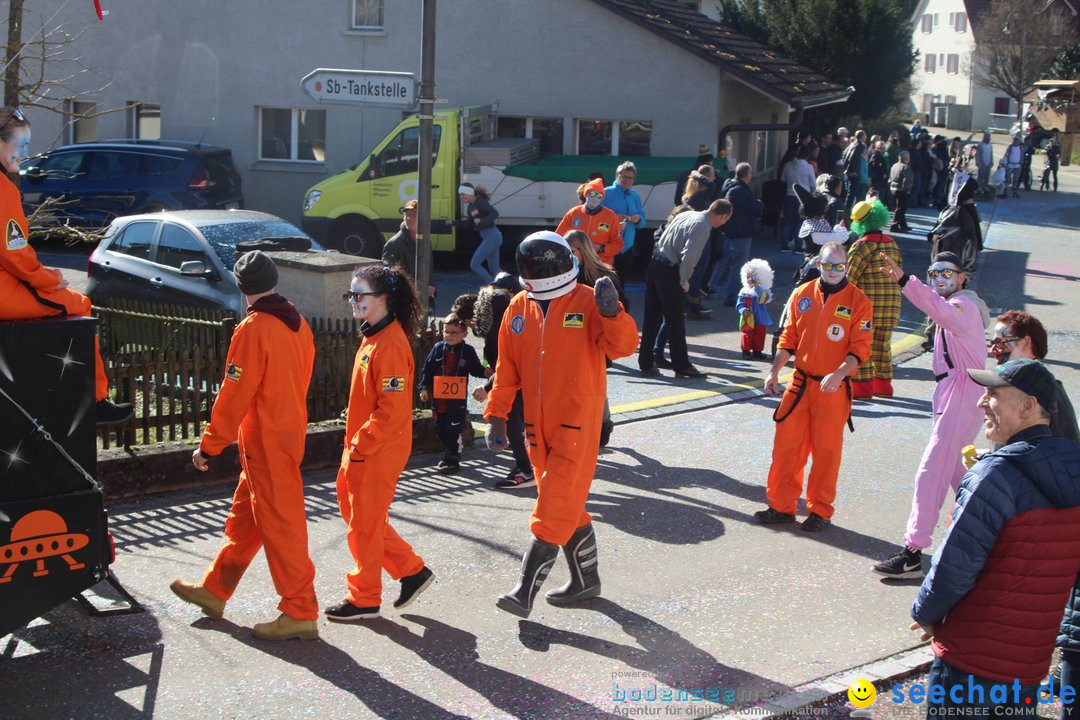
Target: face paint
{"type": "Point", "coordinates": [1004, 343]}
{"type": "Point", "coordinates": [942, 285]}
{"type": "Point", "coordinates": [360, 308]}
{"type": "Point", "coordinates": [15, 149]}
{"type": "Point", "coordinates": [592, 201]}
{"type": "Point", "coordinates": [22, 144]}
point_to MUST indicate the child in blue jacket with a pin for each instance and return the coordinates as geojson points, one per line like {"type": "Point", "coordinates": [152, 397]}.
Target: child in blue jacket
{"type": "Point", "coordinates": [444, 382]}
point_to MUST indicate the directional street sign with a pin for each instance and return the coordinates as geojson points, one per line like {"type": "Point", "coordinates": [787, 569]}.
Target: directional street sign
{"type": "Point", "coordinates": [361, 87]}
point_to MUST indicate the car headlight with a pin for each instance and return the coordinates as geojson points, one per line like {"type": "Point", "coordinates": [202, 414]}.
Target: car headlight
{"type": "Point", "coordinates": [311, 199]}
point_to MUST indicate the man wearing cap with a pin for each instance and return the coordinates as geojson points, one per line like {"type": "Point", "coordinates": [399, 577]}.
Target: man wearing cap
{"type": "Point", "coordinates": [960, 319]}
{"type": "Point", "coordinates": [600, 223]}
{"type": "Point", "coordinates": [401, 248]}
{"type": "Point", "coordinates": [828, 333]}
{"type": "Point", "coordinates": [992, 601]}
{"type": "Point", "coordinates": [262, 406]}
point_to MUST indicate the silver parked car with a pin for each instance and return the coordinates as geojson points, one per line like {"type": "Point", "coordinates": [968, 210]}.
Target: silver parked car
{"type": "Point", "coordinates": [184, 257]}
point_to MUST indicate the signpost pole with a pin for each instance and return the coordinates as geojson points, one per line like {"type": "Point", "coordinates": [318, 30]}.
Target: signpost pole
{"type": "Point", "coordinates": [427, 115]}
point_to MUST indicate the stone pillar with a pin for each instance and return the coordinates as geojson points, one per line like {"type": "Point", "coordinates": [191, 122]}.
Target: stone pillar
{"type": "Point", "coordinates": [315, 281]}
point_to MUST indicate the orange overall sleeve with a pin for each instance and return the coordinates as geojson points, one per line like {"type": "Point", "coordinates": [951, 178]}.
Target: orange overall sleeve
{"type": "Point", "coordinates": [614, 243]}
{"type": "Point", "coordinates": [392, 373]}
{"type": "Point", "coordinates": [618, 335]}
{"type": "Point", "coordinates": [507, 374]}
{"type": "Point", "coordinates": [862, 332]}
{"type": "Point", "coordinates": [564, 224]}
{"type": "Point", "coordinates": [245, 366]}
{"type": "Point", "coordinates": [789, 338]}
{"type": "Point", "coordinates": [16, 255]}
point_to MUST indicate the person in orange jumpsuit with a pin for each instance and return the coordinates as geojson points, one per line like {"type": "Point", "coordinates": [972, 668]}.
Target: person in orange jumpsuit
{"type": "Point", "coordinates": [556, 319]}
{"type": "Point", "coordinates": [262, 406]}
{"type": "Point", "coordinates": [600, 223]}
{"type": "Point", "coordinates": [27, 288]}
{"type": "Point", "coordinates": [829, 332]}
{"type": "Point", "coordinates": [378, 440]}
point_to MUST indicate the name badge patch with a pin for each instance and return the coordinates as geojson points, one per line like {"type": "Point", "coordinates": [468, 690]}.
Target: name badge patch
{"type": "Point", "coordinates": [835, 332]}
{"type": "Point", "coordinates": [573, 320]}
{"type": "Point", "coordinates": [843, 312]}
{"type": "Point", "coordinates": [234, 372]}
{"type": "Point", "coordinates": [393, 383]}
{"type": "Point", "coordinates": [604, 227]}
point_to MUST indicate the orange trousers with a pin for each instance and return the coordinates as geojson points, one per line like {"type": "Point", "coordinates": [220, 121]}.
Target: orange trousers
{"type": "Point", "coordinates": [814, 427]}
{"type": "Point", "coordinates": [365, 490]}
{"type": "Point", "coordinates": [21, 303]}
{"type": "Point", "coordinates": [267, 512]}
{"type": "Point", "coordinates": [564, 475]}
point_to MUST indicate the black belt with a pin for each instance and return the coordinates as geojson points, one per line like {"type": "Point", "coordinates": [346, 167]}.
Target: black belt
{"type": "Point", "coordinates": [800, 388]}
{"type": "Point", "coordinates": [664, 261]}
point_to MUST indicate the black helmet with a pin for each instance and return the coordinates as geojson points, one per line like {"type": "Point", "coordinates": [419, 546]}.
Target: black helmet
{"type": "Point", "coordinates": [506, 281]}
{"type": "Point", "coordinates": [547, 266]}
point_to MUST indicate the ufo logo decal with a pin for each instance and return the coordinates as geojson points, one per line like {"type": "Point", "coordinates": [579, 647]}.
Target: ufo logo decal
{"type": "Point", "coordinates": [37, 536]}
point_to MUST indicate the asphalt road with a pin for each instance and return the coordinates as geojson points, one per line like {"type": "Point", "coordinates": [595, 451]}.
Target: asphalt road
{"type": "Point", "coordinates": [696, 596]}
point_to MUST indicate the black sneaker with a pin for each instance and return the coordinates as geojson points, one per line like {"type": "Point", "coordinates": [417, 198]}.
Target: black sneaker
{"type": "Point", "coordinates": [814, 523]}
{"type": "Point", "coordinates": [517, 479]}
{"type": "Point", "coordinates": [661, 362]}
{"type": "Point", "coordinates": [449, 467]}
{"type": "Point", "coordinates": [345, 611]}
{"type": "Point", "coordinates": [758, 355]}
{"type": "Point", "coordinates": [905, 564]}
{"type": "Point", "coordinates": [768, 516]}
{"type": "Point", "coordinates": [747, 354]}
{"type": "Point", "coordinates": [690, 372]}
{"type": "Point", "coordinates": [109, 413]}
{"type": "Point", "coordinates": [413, 585]}
{"type": "Point", "coordinates": [651, 371]}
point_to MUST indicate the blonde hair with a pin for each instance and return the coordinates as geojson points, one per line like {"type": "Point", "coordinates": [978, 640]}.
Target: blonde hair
{"type": "Point", "coordinates": [592, 267]}
{"type": "Point", "coordinates": [695, 184]}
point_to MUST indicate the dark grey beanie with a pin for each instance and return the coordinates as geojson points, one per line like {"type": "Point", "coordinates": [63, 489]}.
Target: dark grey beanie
{"type": "Point", "coordinates": [255, 273]}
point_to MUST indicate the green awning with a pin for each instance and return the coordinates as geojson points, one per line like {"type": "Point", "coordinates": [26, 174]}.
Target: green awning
{"type": "Point", "coordinates": [577, 168]}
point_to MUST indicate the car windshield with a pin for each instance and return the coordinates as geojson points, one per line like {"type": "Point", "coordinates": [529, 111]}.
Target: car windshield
{"type": "Point", "coordinates": [223, 238]}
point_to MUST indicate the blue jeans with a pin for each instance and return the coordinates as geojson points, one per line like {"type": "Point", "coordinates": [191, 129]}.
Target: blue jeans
{"type": "Point", "coordinates": [977, 690]}
{"type": "Point", "coordinates": [487, 253]}
{"type": "Point", "coordinates": [792, 221]}
{"type": "Point", "coordinates": [736, 253]}
{"type": "Point", "coordinates": [1070, 676]}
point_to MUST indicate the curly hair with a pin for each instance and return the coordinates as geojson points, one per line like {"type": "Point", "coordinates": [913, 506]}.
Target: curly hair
{"type": "Point", "coordinates": [401, 299]}
{"type": "Point", "coordinates": [877, 218]}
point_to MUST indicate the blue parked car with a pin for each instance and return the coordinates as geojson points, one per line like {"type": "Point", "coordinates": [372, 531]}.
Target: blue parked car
{"type": "Point", "coordinates": [98, 182]}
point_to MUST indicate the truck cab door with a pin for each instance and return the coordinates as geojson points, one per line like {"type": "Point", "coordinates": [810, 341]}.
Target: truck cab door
{"type": "Point", "coordinates": [392, 174]}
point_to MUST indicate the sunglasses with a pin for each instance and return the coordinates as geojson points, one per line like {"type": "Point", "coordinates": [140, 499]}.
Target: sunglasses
{"type": "Point", "coordinates": [834, 267]}
{"type": "Point", "coordinates": [947, 273]}
{"type": "Point", "coordinates": [357, 296]}
{"type": "Point", "coordinates": [16, 114]}
{"type": "Point", "coordinates": [1003, 340]}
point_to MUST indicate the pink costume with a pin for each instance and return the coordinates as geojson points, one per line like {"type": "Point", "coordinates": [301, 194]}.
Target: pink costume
{"type": "Point", "coordinates": [959, 344]}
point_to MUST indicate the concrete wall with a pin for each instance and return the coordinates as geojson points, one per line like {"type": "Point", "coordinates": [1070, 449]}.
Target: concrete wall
{"type": "Point", "coordinates": [212, 65]}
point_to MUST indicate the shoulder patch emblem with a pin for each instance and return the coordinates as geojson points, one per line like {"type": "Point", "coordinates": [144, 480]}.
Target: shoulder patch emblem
{"type": "Point", "coordinates": [14, 236]}
{"type": "Point", "coordinates": [576, 222]}
{"type": "Point", "coordinates": [835, 332]}
{"type": "Point", "coordinates": [866, 325]}
{"type": "Point", "coordinates": [234, 372]}
{"type": "Point", "coordinates": [843, 312]}
{"type": "Point", "coordinates": [573, 320]}
{"type": "Point", "coordinates": [517, 324]}
{"type": "Point", "coordinates": [804, 304]}
{"type": "Point", "coordinates": [364, 360]}
{"type": "Point", "coordinates": [604, 227]}
{"type": "Point", "coordinates": [393, 383]}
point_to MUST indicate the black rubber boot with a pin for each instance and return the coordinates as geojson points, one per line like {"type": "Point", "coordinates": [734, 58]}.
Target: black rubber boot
{"type": "Point", "coordinates": [584, 583]}
{"type": "Point", "coordinates": [535, 567]}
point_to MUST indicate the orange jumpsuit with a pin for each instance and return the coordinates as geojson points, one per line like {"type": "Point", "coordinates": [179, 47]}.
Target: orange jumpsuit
{"type": "Point", "coordinates": [558, 363]}
{"type": "Point", "coordinates": [602, 228]}
{"type": "Point", "coordinates": [262, 406]}
{"type": "Point", "coordinates": [820, 334]}
{"type": "Point", "coordinates": [378, 440]}
{"type": "Point", "coordinates": [28, 289]}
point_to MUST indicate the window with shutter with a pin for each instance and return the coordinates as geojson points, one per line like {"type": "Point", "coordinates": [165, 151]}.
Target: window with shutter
{"type": "Point", "coordinates": [961, 22]}
{"type": "Point", "coordinates": [930, 63]}
{"type": "Point", "coordinates": [953, 64]}
{"type": "Point", "coordinates": [927, 23]}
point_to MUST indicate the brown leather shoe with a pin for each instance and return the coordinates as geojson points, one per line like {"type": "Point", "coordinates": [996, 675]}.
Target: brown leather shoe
{"type": "Point", "coordinates": [286, 628]}
{"type": "Point", "coordinates": [211, 604]}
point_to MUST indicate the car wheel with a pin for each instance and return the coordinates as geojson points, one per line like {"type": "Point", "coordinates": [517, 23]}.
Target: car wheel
{"type": "Point", "coordinates": [357, 236]}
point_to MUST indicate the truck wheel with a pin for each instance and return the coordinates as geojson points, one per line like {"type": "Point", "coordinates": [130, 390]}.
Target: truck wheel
{"type": "Point", "coordinates": [358, 236]}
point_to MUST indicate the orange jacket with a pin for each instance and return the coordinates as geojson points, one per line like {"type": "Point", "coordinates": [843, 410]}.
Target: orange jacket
{"type": "Point", "coordinates": [558, 361]}
{"type": "Point", "coordinates": [821, 333]}
{"type": "Point", "coordinates": [264, 391]}
{"type": "Point", "coordinates": [602, 228]}
{"type": "Point", "coordinates": [379, 419]}
{"type": "Point", "coordinates": [17, 258]}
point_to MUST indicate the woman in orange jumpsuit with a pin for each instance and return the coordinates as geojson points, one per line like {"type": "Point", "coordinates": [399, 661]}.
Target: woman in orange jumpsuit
{"type": "Point", "coordinates": [27, 288]}
{"type": "Point", "coordinates": [262, 406]}
{"type": "Point", "coordinates": [557, 318]}
{"type": "Point", "coordinates": [378, 440]}
{"type": "Point", "coordinates": [600, 223]}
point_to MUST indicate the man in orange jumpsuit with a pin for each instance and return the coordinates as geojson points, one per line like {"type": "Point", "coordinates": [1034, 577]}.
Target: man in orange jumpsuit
{"type": "Point", "coordinates": [27, 288]}
{"type": "Point", "coordinates": [829, 332]}
{"type": "Point", "coordinates": [262, 406]}
{"type": "Point", "coordinates": [553, 343]}
{"type": "Point", "coordinates": [600, 223]}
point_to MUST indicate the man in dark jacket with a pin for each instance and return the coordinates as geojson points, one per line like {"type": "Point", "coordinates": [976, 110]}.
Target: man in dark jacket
{"type": "Point", "coordinates": [992, 600]}
{"type": "Point", "coordinates": [739, 231]}
{"type": "Point", "coordinates": [401, 248]}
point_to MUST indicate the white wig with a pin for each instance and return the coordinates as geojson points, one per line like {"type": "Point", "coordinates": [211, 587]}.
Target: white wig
{"type": "Point", "coordinates": [760, 268]}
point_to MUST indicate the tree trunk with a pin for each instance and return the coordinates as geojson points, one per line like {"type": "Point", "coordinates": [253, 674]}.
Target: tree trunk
{"type": "Point", "coordinates": [11, 56]}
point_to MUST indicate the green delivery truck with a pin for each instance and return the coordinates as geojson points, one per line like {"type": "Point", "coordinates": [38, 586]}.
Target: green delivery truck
{"type": "Point", "coordinates": [356, 210]}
